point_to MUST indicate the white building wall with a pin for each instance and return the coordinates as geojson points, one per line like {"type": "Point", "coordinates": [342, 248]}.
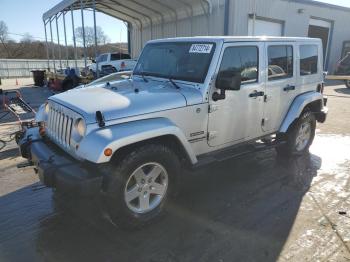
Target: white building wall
{"type": "Point", "coordinates": [293, 15]}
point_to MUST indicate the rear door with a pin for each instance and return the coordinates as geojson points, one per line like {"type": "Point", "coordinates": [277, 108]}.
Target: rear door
{"type": "Point", "coordinates": [281, 86]}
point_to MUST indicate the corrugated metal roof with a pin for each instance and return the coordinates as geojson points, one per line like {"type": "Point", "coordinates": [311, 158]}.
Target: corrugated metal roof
{"type": "Point", "coordinates": [139, 12]}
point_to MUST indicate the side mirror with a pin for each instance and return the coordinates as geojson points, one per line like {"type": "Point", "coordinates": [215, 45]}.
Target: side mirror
{"type": "Point", "coordinates": [227, 80]}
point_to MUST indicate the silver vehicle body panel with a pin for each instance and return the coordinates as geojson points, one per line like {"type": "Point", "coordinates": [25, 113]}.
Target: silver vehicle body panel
{"type": "Point", "coordinates": [127, 98]}
{"type": "Point", "coordinates": [118, 136]}
{"type": "Point", "coordinates": [297, 107]}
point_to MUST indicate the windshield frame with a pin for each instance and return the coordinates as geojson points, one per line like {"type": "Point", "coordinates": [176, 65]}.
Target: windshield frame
{"type": "Point", "coordinates": [174, 77]}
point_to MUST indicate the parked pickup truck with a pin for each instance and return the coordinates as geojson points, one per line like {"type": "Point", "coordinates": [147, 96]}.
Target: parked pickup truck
{"type": "Point", "coordinates": [190, 102]}
{"type": "Point", "coordinates": [116, 61]}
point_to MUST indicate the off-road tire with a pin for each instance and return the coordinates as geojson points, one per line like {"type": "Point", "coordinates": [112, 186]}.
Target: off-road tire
{"type": "Point", "coordinates": [119, 173]}
{"type": "Point", "coordinates": [289, 147]}
{"type": "Point", "coordinates": [347, 83]}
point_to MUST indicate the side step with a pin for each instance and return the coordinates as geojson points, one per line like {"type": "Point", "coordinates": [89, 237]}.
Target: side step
{"type": "Point", "coordinates": [235, 151]}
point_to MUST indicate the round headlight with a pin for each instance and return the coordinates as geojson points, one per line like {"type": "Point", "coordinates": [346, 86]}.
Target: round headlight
{"type": "Point", "coordinates": [80, 126]}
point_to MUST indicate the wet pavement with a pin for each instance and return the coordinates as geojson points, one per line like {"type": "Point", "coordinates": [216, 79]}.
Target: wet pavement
{"type": "Point", "coordinates": [256, 208]}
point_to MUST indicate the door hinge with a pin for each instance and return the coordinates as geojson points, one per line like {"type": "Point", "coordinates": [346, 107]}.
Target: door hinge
{"type": "Point", "coordinates": [212, 135]}
{"type": "Point", "coordinates": [212, 108]}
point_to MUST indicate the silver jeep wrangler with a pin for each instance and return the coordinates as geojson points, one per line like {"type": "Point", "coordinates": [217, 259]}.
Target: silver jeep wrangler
{"type": "Point", "coordinates": [190, 102]}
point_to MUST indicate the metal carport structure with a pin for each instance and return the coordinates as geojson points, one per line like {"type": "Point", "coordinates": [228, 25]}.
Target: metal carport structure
{"type": "Point", "coordinates": [146, 19]}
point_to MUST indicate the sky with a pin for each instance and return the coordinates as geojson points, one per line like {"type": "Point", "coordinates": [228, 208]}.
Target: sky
{"type": "Point", "coordinates": [25, 16]}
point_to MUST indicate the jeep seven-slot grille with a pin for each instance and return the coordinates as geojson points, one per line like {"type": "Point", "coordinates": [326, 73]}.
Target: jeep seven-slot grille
{"type": "Point", "coordinates": [59, 125]}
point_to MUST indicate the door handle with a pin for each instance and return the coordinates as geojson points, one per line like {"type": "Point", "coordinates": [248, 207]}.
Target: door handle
{"type": "Point", "coordinates": [255, 94]}
{"type": "Point", "coordinates": [289, 88]}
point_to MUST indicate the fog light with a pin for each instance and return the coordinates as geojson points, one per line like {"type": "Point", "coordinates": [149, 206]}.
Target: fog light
{"type": "Point", "coordinates": [108, 152]}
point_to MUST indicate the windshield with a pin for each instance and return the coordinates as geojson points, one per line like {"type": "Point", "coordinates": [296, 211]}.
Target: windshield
{"type": "Point", "coordinates": [176, 60]}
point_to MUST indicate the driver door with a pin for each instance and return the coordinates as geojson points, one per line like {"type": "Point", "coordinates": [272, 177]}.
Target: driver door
{"type": "Point", "coordinates": [238, 117]}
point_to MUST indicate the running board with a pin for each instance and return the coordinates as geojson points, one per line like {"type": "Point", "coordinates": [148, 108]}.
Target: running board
{"type": "Point", "coordinates": [234, 152]}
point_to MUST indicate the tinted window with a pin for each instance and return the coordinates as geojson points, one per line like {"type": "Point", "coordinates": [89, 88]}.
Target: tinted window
{"type": "Point", "coordinates": [118, 56]}
{"type": "Point", "coordinates": [178, 60]}
{"type": "Point", "coordinates": [308, 59]}
{"type": "Point", "coordinates": [243, 59]}
{"type": "Point", "coordinates": [280, 62]}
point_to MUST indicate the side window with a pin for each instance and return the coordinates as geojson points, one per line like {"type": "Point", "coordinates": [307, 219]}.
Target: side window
{"type": "Point", "coordinates": [280, 62]}
{"type": "Point", "coordinates": [243, 59]}
{"type": "Point", "coordinates": [308, 59]}
{"type": "Point", "coordinates": [102, 58]}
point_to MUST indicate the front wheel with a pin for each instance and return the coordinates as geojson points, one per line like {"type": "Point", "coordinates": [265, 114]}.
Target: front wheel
{"type": "Point", "coordinates": [140, 184]}
{"type": "Point", "coordinates": [347, 83]}
{"type": "Point", "coordinates": [299, 136]}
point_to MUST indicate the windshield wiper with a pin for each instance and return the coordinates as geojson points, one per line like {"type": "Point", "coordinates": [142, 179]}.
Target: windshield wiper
{"type": "Point", "coordinates": [171, 80]}
{"type": "Point", "coordinates": [142, 74]}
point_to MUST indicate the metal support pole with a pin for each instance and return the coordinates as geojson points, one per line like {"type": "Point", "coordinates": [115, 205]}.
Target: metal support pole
{"type": "Point", "coordinates": [82, 24]}
{"type": "Point", "coordinates": [47, 49]}
{"type": "Point", "coordinates": [95, 34]}
{"type": "Point", "coordinates": [65, 36]}
{"type": "Point", "coordinates": [254, 17]}
{"type": "Point", "coordinates": [58, 42]}
{"type": "Point", "coordinates": [74, 41]}
{"type": "Point", "coordinates": [226, 16]}
{"type": "Point", "coordinates": [53, 48]}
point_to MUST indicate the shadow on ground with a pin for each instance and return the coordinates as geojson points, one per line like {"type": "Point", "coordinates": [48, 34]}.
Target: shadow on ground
{"type": "Point", "coordinates": [345, 91]}
{"type": "Point", "coordinates": [240, 210]}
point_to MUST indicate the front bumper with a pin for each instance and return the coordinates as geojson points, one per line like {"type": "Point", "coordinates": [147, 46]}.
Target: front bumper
{"type": "Point", "coordinates": [58, 170]}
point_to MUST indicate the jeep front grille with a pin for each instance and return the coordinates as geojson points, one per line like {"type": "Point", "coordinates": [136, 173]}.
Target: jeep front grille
{"type": "Point", "coordinates": [59, 124]}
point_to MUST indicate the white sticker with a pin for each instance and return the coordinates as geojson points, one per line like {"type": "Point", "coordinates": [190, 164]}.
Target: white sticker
{"type": "Point", "coordinates": [201, 48]}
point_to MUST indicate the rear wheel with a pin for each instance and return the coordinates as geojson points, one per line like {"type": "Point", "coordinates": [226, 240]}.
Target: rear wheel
{"type": "Point", "coordinates": [347, 83]}
{"type": "Point", "coordinates": [299, 137]}
{"type": "Point", "coordinates": [140, 184]}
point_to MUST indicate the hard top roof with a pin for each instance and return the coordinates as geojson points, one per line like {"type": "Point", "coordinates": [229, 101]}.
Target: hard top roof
{"type": "Point", "coordinates": [237, 39]}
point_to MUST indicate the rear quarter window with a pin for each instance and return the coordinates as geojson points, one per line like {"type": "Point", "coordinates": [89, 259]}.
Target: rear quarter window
{"type": "Point", "coordinates": [308, 59]}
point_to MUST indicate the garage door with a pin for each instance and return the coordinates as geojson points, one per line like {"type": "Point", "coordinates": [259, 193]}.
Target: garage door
{"type": "Point", "coordinates": [263, 27]}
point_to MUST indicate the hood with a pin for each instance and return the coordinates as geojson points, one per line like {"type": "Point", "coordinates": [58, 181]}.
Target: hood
{"type": "Point", "coordinates": [127, 98]}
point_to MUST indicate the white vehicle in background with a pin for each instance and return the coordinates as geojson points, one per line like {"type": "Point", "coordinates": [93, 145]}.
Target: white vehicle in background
{"type": "Point", "coordinates": [116, 61]}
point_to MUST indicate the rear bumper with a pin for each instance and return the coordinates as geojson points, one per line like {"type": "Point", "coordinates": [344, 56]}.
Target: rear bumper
{"type": "Point", "coordinates": [58, 170]}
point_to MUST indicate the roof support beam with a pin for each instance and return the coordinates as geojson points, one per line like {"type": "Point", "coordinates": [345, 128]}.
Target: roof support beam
{"type": "Point", "coordinates": [152, 10]}
{"type": "Point", "coordinates": [53, 47]}
{"type": "Point", "coordinates": [136, 12]}
{"type": "Point", "coordinates": [129, 16]}
{"type": "Point", "coordinates": [65, 35]}
{"type": "Point", "coordinates": [74, 40]}
{"type": "Point", "coordinates": [47, 48]}
{"type": "Point", "coordinates": [172, 10]}
{"type": "Point", "coordinates": [191, 13]}
{"type": "Point", "coordinates": [58, 42]}
{"type": "Point", "coordinates": [83, 26]}
{"type": "Point", "coordinates": [95, 35]}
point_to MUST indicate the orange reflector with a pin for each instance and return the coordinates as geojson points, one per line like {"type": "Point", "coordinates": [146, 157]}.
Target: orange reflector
{"type": "Point", "coordinates": [108, 152]}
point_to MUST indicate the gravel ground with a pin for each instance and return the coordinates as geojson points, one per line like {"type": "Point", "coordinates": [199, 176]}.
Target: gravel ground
{"type": "Point", "coordinates": [259, 208]}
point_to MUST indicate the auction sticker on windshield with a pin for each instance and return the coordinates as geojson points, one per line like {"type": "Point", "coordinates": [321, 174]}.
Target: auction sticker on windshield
{"type": "Point", "coordinates": [201, 48]}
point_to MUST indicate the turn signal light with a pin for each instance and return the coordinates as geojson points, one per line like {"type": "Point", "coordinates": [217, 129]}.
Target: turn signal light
{"type": "Point", "coordinates": [108, 152]}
